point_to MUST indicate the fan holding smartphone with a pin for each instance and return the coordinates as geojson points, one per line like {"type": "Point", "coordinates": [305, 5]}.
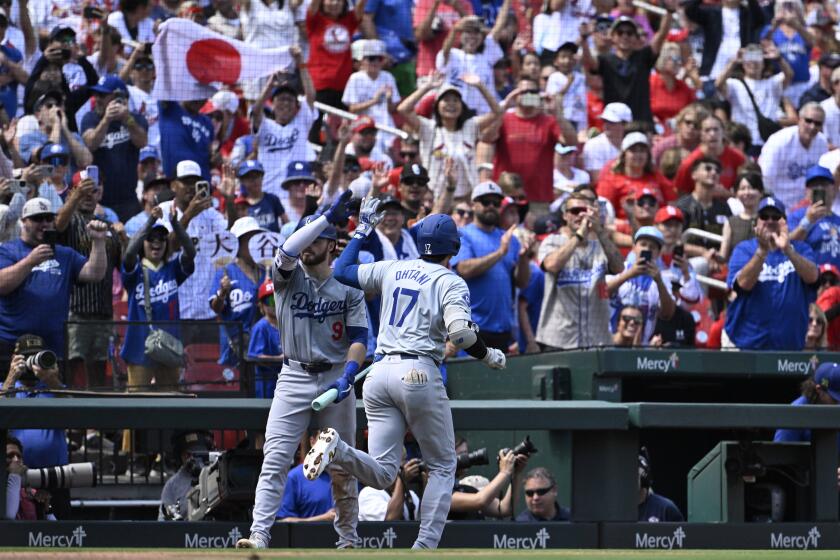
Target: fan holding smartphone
{"type": "Point", "coordinates": [641, 284]}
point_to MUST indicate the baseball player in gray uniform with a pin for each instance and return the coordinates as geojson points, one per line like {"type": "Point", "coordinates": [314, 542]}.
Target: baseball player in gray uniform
{"type": "Point", "coordinates": [324, 335]}
{"type": "Point", "coordinates": [423, 304]}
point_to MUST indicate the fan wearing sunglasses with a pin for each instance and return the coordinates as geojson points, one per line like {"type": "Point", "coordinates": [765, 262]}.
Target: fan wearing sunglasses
{"type": "Point", "coordinates": [775, 277]}
{"type": "Point", "coordinates": [541, 498]}
{"type": "Point", "coordinates": [631, 323]}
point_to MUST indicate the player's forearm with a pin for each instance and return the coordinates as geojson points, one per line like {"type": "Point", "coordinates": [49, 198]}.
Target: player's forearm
{"type": "Point", "coordinates": [346, 268]}
{"type": "Point", "coordinates": [357, 352]}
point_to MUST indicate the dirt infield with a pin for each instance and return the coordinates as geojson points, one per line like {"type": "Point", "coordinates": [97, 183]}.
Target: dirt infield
{"type": "Point", "coordinates": [466, 554]}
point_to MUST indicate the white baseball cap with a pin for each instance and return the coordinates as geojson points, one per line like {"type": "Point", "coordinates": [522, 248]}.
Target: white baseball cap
{"type": "Point", "coordinates": [372, 47]}
{"type": "Point", "coordinates": [485, 188]}
{"type": "Point", "coordinates": [163, 224]}
{"type": "Point", "coordinates": [634, 138]}
{"type": "Point", "coordinates": [245, 225]}
{"type": "Point", "coordinates": [36, 207]}
{"type": "Point", "coordinates": [616, 113]}
{"type": "Point", "coordinates": [357, 48]}
{"type": "Point", "coordinates": [222, 101]}
{"type": "Point", "coordinates": [187, 168]}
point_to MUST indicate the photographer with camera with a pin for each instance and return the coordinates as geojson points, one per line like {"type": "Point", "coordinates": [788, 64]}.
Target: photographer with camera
{"type": "Point", "coordinates": [36, 276]}
{"type": "Point", "coordinates": [397, 502]}
{"type": "Point", "coordinates": [193, 451]}
{"type": "Point", "coordinates": [33, 372]}
{"type": "Point", "coordinates": [23, 503]}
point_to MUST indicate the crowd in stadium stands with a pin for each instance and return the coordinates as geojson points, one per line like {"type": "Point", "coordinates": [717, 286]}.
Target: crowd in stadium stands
{"type": "Point", "coordinates": [621, 176]}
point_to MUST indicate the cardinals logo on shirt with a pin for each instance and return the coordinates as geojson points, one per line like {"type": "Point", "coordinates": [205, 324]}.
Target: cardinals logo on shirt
{"type": "Point", "coordinates": [336, 39]}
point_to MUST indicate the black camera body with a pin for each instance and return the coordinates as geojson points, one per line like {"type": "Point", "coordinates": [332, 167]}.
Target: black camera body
{"type": "Point", "coordinates": [525, 447]}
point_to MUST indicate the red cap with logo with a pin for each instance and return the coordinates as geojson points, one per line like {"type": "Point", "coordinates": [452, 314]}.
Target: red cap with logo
{"type": "Point", "coordinates": [830, 268]}
{"type": "Point", "coordinates": [266, 289]}
{"type": "Point", "coordinates": [668, 213]}
{"type": "Point", "coordinates": [363, 123]}
{"type": "Point", "coordinates": [646, 192]}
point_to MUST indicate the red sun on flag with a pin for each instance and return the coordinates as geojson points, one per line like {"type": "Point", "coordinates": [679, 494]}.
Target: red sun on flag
{"type": "Point", "coordinates": [214, 60]}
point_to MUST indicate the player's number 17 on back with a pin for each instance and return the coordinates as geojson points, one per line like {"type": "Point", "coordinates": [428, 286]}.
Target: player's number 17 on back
{"type": "Point", "coordinates": [400, 295]}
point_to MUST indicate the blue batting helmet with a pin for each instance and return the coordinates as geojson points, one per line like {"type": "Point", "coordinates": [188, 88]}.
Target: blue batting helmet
{"type": "Point", "coordinates": [437, 235]}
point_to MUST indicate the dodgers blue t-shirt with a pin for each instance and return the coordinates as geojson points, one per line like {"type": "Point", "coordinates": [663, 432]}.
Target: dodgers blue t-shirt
{"type": "Point", "coordinates": [304, 498]}
{"type": "Point", "coordinates": [184, 136]}
{"type": "Point", "coordinates": [790, 434]}
{"type": "Point", "coordinates": [44, 447]}
{"type": "Point", "coordinates": [752, 320]}
{"type": "Point", "coordinates": [240, 307]}
{"type": "Point", "coordinates": [8, 93]}
{"type": "Point", "coordinates": [267, 212]}
{"type": "Point", "coordinates": [117, 158]}
{"type": "Point", "coordinates": [163, 294]}
{"type": "Point", "coordinates": [533, 294]}
{"type": "Point", "coordinates": [795, 50]}
{"type": "Point", "coordinates": [824, 240]}
{"type": "Point", "coordinates": [265, 340]}
{"type": "Point", "coordinates": [393, 21]}
{"type": "Point", "coordinates": [491, 294]}
{"type": "Point", "coordinates": [41, 303]}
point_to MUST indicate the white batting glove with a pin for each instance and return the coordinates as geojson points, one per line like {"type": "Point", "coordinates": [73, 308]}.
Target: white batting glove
{"type": "Point", "coordinates": [495, 358]}
{"type": "Point", "coordinates": [368, 218]}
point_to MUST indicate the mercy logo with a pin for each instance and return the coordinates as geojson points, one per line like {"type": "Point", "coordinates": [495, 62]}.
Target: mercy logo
{"type": "Point", "coordinates": [385, 541]}
{"type": "Point", "coordinates": [194, 540]}
{"type": "Point", "coordinates": [796, 542]}
{"type": "Point", "coordinates": [76, 538]}
{"type": "Point", "coordinates": [796, 366]}
{"type": "Point", "coordinates": [643, 363]}
{"type": "Point", "coordinates": [522, 543]}
{"type": "Point", "coordinates": [663, 542]}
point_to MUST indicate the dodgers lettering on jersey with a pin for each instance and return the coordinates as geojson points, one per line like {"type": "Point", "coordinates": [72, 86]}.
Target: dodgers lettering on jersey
{"type": "Point", "coordinates": [414, 296]}
{"type": "Point", "coordinates": [314, 316]}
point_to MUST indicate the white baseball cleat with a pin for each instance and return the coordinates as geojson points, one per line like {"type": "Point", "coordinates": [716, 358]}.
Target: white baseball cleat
{"type": "Point", "coordinates": [321, 454]}
{"type": "Point", "coordinates": [254, 541]}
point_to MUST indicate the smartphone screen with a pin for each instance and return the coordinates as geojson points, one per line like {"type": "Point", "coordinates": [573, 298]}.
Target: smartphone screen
{"type": "Point", "coordinates": [93, 173]}
{"type": "Point", "coordinates": [679, 251]}
{"type": "Point", "coordinates": [646, 255]}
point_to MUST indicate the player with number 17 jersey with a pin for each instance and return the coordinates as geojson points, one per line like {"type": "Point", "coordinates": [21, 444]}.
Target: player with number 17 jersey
{"type": "Point", "coordinates": [414, 294]}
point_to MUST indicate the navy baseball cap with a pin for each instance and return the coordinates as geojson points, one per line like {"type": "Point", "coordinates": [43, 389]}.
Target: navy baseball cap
{"type": "Point", "coordinates": [51, 150]}
{"type": "Point", "coordinates": [328, 233]}
{"type": "Point", "coordinates": [288, 87]}
{"type": "Point", "coordinates": [388, 200]}
{"type": "Point", "coordinates": [248, 166]}
{"type": "Point", "coordinates": [149, 152]}
{"type": "Point", "coordinates": [827, 376]}
{"type": "Point", "coordinates": [53, 94]}
{"type": "Point", "coordinates": [649, 232]}
{"type": "Point", "coordinates": [298, 171]}
{"type": "Point", "coordinates": [59, 30]}
{"type": "Point", "coordinates": [772, 202]}
{"type": "Point", "coordinates": [818, 172]}
{"type": "Point", "coordinates": [109, 84]}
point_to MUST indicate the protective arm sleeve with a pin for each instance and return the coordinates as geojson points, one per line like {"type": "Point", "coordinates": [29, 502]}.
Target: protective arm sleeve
{"type": "Point", "coordinates": [304, 237]}
{"type": "Point", "coordinates": [462, 332]}
{"type": "Point", "coordinates": [346, 268]}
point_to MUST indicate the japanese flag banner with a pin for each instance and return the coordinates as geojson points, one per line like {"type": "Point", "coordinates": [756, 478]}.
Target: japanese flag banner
{"type": "Point", "coordinates": [193, 62]}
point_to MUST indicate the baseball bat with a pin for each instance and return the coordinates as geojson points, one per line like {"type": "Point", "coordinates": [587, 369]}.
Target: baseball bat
{"type": "Point", "coordinates": [328, 397]}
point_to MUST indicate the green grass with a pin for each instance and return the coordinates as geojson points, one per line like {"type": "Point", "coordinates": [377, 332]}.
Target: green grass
{"type": "Point", "coordinates": [469, 554]}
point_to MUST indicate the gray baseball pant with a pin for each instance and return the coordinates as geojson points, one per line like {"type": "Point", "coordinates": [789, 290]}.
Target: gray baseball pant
{"type": "Point", "coordinates": [288, 420]}
{"type": "Point", "coordinates": [400, 393]}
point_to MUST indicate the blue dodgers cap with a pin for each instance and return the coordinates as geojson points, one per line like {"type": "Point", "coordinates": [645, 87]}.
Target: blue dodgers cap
{"type": "Point", "coordinates": [298, 171]}
{"type": "Point", "coordinates": [818, 172]}
{"type": "Point", "coordinates": [149, 152]}
{"type": "Point", "coordinates": [772, 202]}
{"type": "Point", "coordinates": [54, 150]}
{"type": "Point", "coordinates": [649, 232]}
{"type": "Point", "coordinates": [329, 233]}
{"type": "Point", "coordinates": [248, 166]}
{"type": "Point", "coordinates": [827, 376]}
{"type": "Point", "coordinates": [109, 83]}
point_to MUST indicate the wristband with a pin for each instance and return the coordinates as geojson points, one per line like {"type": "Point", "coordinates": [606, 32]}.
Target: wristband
{"type": "Point", "coordinates": [805, 223]}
